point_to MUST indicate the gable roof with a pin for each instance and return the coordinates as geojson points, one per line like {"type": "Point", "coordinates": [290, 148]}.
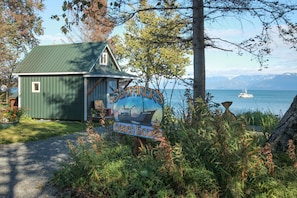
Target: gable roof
{"type": "Point", "coordinates": [65, 58]}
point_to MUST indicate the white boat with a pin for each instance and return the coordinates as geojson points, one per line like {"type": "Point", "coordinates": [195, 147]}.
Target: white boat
{"type": "Point", "coordinates": [245, 94]}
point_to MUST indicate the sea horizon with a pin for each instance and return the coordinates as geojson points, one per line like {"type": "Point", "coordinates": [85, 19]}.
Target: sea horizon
{"type": "Point", "coordinates": [272, 101]}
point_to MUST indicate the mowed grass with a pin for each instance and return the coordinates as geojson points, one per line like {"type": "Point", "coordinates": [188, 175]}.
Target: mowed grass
{"type": "Point", "coordinates": [32, 130]}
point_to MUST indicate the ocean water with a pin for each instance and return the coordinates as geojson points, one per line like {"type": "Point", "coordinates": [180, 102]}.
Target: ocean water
{"type": "Point", "coordinates": [276, 102]}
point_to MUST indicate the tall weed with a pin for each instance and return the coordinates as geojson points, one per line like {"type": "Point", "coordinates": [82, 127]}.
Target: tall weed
{"type": "Point", "coordinates": [202, 154]}
{"type": "Point", "coordinates": [223, 147]}
{"type": "Point", "coordinates": [266, 121]}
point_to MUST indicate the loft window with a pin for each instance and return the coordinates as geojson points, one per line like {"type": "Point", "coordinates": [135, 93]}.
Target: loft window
{"type": "Point", "coordinates": [103, 59]}
{"type": "Point", "coordinates": [35, 87]}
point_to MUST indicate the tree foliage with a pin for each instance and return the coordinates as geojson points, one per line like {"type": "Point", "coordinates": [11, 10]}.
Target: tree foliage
{"type": "Point", "coordinates": [94, 24]}
{"type": "Point", "coordinates": [148, 52]}
{"type": "Point", "coordinates": [19, 26]}
{"type": "Point", "coordinates": [271, 16]}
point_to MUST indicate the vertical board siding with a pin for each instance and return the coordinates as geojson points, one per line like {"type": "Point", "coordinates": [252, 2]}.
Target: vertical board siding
{"type": "Point", "coordinates": [60, 97]}
{"type": "Point", "coordinates": [98, 94]}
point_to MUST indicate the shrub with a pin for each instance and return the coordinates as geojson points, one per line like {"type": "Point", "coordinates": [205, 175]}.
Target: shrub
{"type": "Point", "coordinates": [224, 147]}
{"type": "Point", "coordinates": [11, 115]}
{"type": "Point", "coordinates": [203, 154]}
{"type": "Point", "coordinates": [96, 168]}
{"type": "Point", "coordinates": [266, 121]}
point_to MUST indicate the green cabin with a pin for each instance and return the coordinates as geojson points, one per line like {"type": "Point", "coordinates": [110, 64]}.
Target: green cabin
{"type": "Point", "coordinates": [62, 82]}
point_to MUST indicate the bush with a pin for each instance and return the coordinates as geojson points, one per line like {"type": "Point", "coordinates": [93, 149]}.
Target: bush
{"type": "Point", "coordinates": [10, 115]}
{"type": "Point", "coordinates": [224, 148]}
{"type": "Point", "coordinates": [266, 121]}
{"type": "Point", "coordinates": [203, 154]}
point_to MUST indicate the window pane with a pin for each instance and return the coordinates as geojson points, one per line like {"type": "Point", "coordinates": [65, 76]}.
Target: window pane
{"type": "Point", "coordinates": [103, 58]}
{"type": "Point", "coordinates": [36, 87]}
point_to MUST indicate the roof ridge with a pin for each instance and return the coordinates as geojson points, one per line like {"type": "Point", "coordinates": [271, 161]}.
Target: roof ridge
{"type": "Point", "coordinates": [63, 44]}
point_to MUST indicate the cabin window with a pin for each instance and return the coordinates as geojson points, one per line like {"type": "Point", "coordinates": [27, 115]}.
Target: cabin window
{"type": "Point", "coordinates": [103, 59]}
{"type": "Point", "coordinates": [35, 87]}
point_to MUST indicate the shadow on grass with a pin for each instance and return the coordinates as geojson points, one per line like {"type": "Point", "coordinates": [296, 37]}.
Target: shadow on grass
{"type": "Point", "coordinates": [38, 130]}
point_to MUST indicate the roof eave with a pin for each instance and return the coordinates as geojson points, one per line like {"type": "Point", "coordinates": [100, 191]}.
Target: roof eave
{"type": "Point", "coordinates": [110, 76]}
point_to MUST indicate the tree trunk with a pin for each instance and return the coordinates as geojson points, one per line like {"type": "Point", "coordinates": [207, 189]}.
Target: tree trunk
{"type": "Point", "coordinates": [286, 129]}
{"type": "Point", "coordinates": [198, 48]}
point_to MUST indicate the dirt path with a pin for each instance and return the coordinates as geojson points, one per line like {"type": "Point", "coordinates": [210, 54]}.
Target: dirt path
{"type": "Point", "coordinates": [25, 168]}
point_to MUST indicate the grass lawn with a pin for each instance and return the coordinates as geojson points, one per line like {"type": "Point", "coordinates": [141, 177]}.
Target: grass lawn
{"type": "Point", "coordinates": [31, 130]}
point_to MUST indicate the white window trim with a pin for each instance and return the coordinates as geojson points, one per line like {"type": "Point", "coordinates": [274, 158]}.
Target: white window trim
{"type": "Point", "coordinates": [103, 58]}
{"type": "Point", "coordinates": [33, 87]}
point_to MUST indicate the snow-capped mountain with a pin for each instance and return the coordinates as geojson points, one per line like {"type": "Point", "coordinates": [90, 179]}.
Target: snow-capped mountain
{"type": "Point", "coordinates": [286, 81]}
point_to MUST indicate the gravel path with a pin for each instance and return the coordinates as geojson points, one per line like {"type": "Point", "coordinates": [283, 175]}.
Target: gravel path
{"type": "Point", "coordinates": [25, 168]}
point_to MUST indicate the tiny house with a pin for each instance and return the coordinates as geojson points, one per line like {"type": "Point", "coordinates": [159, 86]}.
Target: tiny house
{"type": "Point", "coordinates": [62, 82]}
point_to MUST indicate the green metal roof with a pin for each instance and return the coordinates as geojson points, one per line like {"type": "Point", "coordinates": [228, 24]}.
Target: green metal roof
{"type": "Point", "coordinates": [78, 57]}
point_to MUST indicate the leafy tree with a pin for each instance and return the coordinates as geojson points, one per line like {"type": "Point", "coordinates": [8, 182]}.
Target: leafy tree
{"type": "Point", "coordinates": [94, 24]}
{"type": "Point", "coordinates": [270, 15]}
{"type": "Point", "coordinates": [150, 55]}
{"type": "Point", "coordinates": [19, 26]}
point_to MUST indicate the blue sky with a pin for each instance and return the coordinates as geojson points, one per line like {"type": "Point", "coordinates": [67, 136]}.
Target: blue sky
{"type": "Point", "coordinates": [218, 63]}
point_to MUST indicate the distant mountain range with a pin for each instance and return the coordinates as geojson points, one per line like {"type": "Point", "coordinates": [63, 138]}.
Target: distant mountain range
{"type": "Point", "coordinates": [286, 81]}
